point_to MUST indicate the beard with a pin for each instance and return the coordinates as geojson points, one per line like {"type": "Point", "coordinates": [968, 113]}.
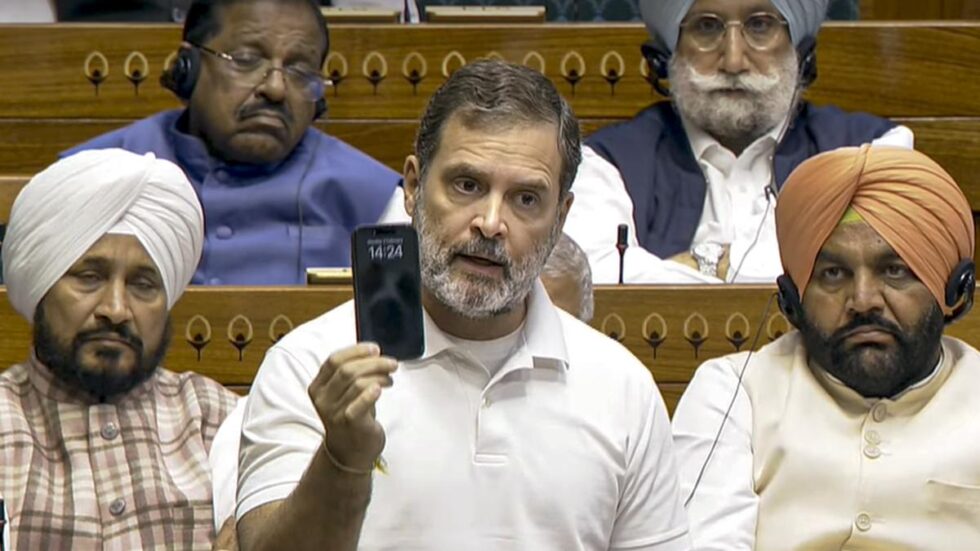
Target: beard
{"type": "Point", "coordinates": [735, 108]}
{"type": "Point", "coordinates": [470, 295]}
{"type": "Point", "coordinates": [106, 380]}
{"type": "Point", "coordinates": [875, 371]}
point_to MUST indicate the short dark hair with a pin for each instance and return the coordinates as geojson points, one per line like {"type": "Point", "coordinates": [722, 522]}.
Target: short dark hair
{"type": "Point", "coordinates": [497, 92]}
{"type": "Point", "coordinates": [203, 20]}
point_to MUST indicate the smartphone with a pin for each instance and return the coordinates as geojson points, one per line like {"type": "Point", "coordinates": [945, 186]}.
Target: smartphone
{"type": "Point", "coordinates": [388, 289]}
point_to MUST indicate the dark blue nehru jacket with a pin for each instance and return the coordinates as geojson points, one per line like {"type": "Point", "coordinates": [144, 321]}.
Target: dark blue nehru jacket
{"type": "Point", "coordinates": [264, 225]}
{"type": "Point", "coordinates": [666, 184]}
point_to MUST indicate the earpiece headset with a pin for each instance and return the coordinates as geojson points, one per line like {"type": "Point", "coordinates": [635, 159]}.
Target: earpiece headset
{"type": "Point", "coordinates": [185, 70]}
{"type": "Point", "coordinates": [960, 288]}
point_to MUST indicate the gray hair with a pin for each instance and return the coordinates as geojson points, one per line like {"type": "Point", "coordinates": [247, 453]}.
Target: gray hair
{"type": "Point", "coordinates": [490, 92]}
{"type": "Point", "coordinates": [569, 260]}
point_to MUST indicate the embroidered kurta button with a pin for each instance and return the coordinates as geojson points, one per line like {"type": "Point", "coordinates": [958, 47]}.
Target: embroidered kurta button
{"type": "Point", "coordinates": [117, 506]}
{"type": "Point", "coordinates": [863, 522]}
{"type": "Point", "coordinates": [874, 452]}
{"type": "Point", "coordinates": [872, 437]}
{"type": "Point", "coordinates": [109, 430]}
{"type": "Point", "coordinates": [879, 412]}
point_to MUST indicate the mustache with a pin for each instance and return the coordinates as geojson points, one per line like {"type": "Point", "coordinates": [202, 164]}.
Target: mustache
{"type": "Point", "coordinates": [108, 330]}
{"type": "Point", "coordinates": [489, 249]}
{"type": "Point", "coordinates": [754, 83]}
{"type": "Point", "coordinates": [869, 321]}
{"type": "Point", "coordinates": [265, 108]}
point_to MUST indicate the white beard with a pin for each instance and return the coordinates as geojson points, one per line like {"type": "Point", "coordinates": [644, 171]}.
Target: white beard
{"type": "Point", "coordinates": [765, 99]}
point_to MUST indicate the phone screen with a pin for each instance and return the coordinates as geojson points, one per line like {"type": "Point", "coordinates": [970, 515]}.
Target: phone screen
{"type": "Point", "coordinates": [387, 289]}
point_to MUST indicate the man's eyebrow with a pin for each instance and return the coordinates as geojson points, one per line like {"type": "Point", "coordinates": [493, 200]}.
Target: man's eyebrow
{"type": "Point", "coordinates": [150, 271]}
{"type": "Point", "coordinates": [466, 170]}
{"type": "Point", "coordinates": [829, 257]}
{"type": "Point", "coordinates": [97, 262]}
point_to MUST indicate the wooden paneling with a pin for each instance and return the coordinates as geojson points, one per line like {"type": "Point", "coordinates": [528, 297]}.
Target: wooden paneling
{"type": "Point", "coordinates": [887, 69]}
{"type": "Point", "coordinates": [223, 332]}
{"type": "Point", "coordinates": [920, 9]}
{"type": "Point", "coordinates": [28, 145]}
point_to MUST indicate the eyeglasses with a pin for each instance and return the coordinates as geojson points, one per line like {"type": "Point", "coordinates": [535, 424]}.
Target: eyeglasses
{"type": "Point", "coordinates": [761, 31]}
{"type": "Point", "coordinates": [252, 70]}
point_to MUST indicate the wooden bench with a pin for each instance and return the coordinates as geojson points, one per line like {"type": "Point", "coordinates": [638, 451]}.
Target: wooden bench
{"type": "Point", "coordinates": [223, 332]}
{"type": "Point", "coordinates": [64, 84]}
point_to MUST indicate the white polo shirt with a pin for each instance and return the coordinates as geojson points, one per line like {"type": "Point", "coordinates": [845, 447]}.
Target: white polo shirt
{"type": "Point", "coordinates": [567, 447]}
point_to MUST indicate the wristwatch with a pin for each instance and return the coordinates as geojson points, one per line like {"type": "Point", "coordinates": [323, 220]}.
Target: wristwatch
{"type": "Point", "coordinates": [708, 255]}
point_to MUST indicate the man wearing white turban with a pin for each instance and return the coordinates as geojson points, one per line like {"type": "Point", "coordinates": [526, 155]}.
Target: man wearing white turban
{"type": "Point", "coordinates": [694, 178]}
{"type": "Point", "coordinates": [101, 447]}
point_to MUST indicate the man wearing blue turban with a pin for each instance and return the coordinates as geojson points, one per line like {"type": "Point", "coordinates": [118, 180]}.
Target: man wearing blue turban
{"type": "Point", "coordinates": [695, 177]}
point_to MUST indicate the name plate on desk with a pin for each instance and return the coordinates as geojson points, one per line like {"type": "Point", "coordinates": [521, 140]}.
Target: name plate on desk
{"type": "Point", "coordinates": [329, 276]}
{"type": "Point", "coordinates": [485, 14]}
{"type": "Point", "coordinates": [360, 15]}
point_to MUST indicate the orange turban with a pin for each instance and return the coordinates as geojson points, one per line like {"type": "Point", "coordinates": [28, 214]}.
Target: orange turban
{"type": "Point", "coordinates": [903, 195]}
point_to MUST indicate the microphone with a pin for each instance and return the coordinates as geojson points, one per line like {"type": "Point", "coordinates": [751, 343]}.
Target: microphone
{"type": "Point", "coordinates": [622, 233]}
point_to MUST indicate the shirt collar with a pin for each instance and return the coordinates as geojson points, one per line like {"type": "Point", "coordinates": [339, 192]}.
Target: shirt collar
{"type": "Point", "coordinates": [702, 142]}
{"type": "Point", "coordinates": [543, 344]}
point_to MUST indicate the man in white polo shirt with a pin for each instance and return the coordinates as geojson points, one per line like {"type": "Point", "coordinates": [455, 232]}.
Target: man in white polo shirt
{"type": "Point", "coordinates": [519, 427]}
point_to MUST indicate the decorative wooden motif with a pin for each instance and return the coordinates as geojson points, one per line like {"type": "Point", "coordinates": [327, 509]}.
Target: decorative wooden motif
{"type": "Point", "coordinates": [671, 329]}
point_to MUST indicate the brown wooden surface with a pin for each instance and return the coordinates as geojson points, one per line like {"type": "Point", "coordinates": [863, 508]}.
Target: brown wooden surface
{"type": "Point", "coordinates": [671, 329]}
{"type": "Point", "coordinates": [899, 70]}
{"type": "Point", "coordinates": [29, 145]}
{"type": "Point", "coordinates": [920, 9]}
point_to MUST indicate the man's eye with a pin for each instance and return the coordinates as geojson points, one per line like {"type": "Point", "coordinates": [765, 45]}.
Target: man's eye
{"type": "Point", "coordinates": [527, 200]}
{"type": "Point", "coordinates": [708, 25]}
{"type": "Point", "coordinates": [467, 186]}
{"type": "Point", "coordinates": [897, 271]}
{"type": "Point", "coordinates": [760, 24]}
{"type": "Point", "coordinates": [246, 60]}
{"type": "Point", "coordinates": [833, 273]}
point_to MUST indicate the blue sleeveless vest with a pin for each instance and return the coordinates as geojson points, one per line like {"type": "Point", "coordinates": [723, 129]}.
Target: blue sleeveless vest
{"type": "Point", "coordinates": [666, 184]}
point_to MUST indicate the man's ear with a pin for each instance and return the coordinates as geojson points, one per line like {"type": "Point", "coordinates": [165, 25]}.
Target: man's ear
{"type": "Point", "coordinates": [564, 205]}
{"type": "Point", "coordinates": [412, 183]}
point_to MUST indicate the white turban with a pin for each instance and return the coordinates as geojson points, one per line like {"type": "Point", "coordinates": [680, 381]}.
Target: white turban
{"type": "Point", "coordinates": [663, 17]}
{"type": "Point", "coordinates": [69, 206]}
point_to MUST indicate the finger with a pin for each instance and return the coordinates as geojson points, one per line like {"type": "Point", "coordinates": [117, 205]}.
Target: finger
{"type": "Point", "coordinates": [341, 357]}
{"type": "Point", "coordinates": [349, 373]}
{"type": "Point", "coordinates": [355, 390]}
{"type": "Point", "coordinates": [363, 405]}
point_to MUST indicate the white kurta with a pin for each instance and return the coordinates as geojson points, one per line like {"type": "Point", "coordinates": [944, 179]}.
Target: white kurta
{"type": "Point", "coordinates": [804, 462]}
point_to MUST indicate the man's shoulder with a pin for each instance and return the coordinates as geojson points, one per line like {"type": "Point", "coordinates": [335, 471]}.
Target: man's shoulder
{"type": "Point", "coordinates": [135, 137]}
{"type": "Point", "coordinates": [831, 115]}
{"type": "Point", "coordinates": [597, 353]}
{"type": "Point", "coordinates": [962, 351]}
{"type": "Point", "coordinates": [191, 387]}
{"type": "Point", "coordinates": [14, 386]}
{"type": "Point", "coordinates": [316, 339]}
{"type": "Point", "coordinates": [332, 150]}
{"type": "Point", "coordinates": [650, 119]}
{"type": "Point", "coordinates": [765, 362]}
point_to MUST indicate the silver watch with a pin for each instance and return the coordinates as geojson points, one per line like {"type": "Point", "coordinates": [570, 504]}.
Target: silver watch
{"type": "Point", "coordinates": [708, 255]}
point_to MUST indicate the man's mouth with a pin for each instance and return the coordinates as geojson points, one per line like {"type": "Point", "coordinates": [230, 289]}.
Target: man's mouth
{"type": "Point", "coordinates": [482, 265]}
{"type": "Point", "coordinates": [868, 335]}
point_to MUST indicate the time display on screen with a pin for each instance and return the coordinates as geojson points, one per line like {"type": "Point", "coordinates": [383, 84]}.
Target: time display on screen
{"type": "Point", "coordinates": [380, 250]}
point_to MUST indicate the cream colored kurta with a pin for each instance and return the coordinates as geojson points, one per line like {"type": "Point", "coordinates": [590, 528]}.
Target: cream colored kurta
{"type": "Point", "coordinates": [804, 462]}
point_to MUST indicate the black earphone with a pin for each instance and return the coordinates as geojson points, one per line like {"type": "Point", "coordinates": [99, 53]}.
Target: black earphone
{"type": "Point", "coordinates": [960, 288]}
{"type": "Point", "coordinates": [658, 60]}
{"type": "Point", "coordinates": [185, 70]}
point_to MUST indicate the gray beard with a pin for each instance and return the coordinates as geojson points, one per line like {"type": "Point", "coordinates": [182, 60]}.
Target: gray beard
{"type": "Point", "coordinates": [468, 295]}
{"type": "Point", "coordinates": [766, 100]}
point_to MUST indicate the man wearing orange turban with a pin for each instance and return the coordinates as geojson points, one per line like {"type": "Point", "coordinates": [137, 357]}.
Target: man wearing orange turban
{"type": "Point", "coordinates": [860, 429]}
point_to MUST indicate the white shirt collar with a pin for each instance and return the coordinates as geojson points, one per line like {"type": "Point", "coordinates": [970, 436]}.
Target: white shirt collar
{"type": "Point", "coordinates": [544, 340]}
{"type": "Point", "coordinates": [701, 142]}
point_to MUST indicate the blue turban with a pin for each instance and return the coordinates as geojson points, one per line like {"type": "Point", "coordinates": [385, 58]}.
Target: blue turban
{"type": "Point", "coordinates": [663, 17]}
